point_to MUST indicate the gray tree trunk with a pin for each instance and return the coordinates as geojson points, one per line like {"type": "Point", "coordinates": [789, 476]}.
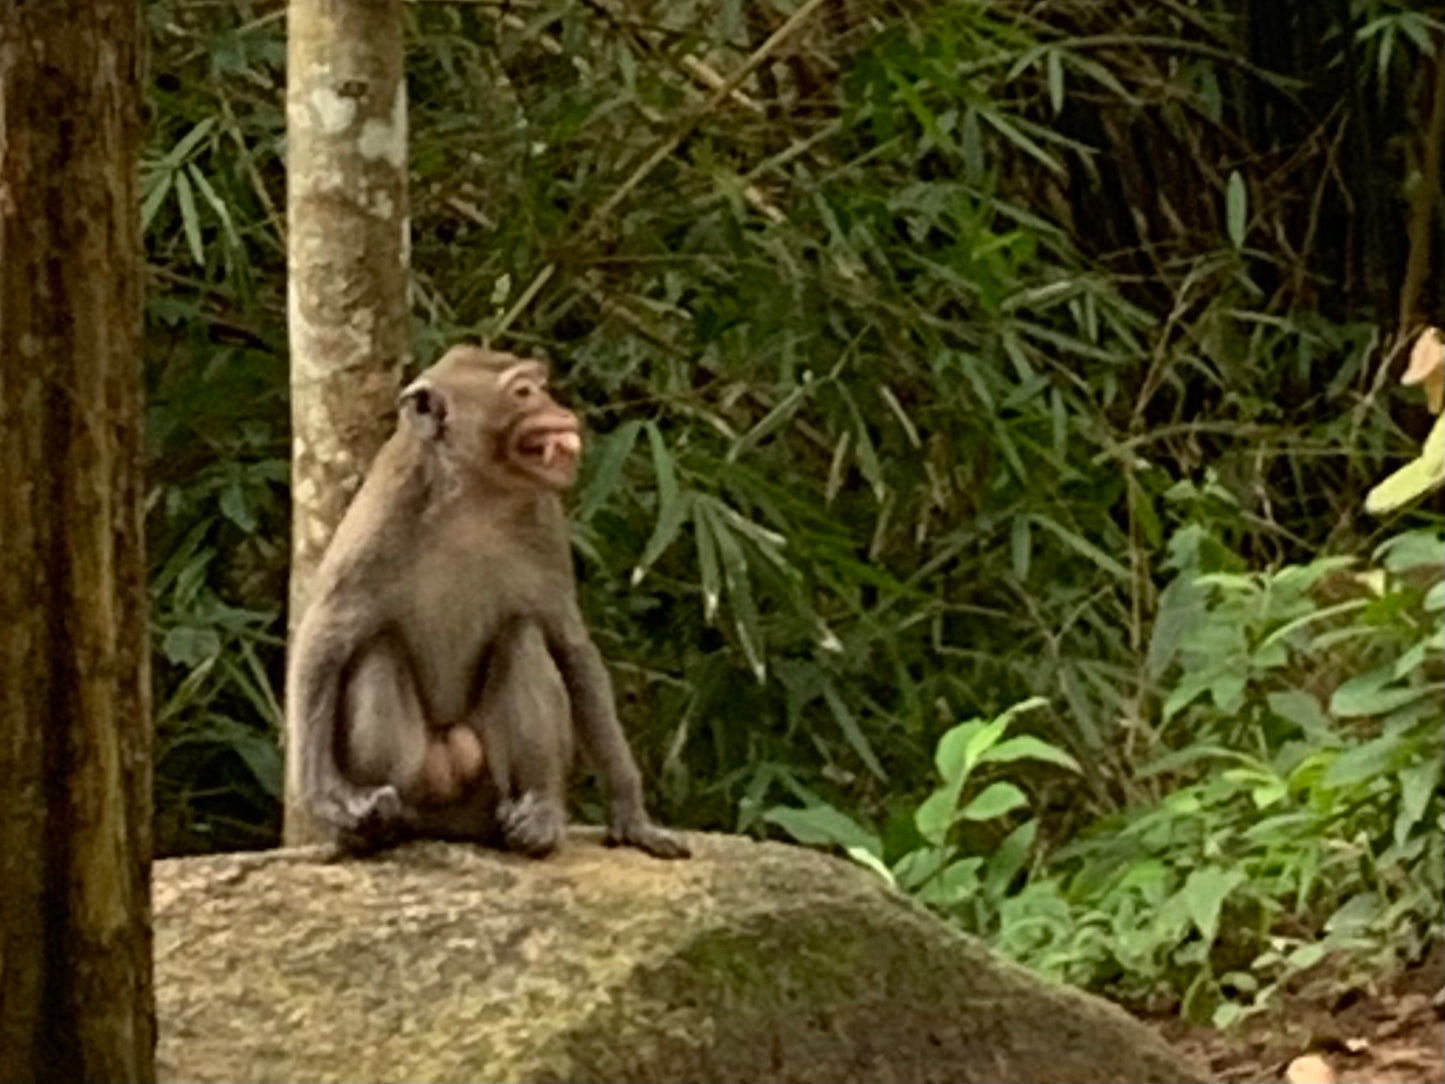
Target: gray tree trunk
{"type": "Point", "coordinates": [347, 226]}
{"type": "Point", "coordinates": [76, 1000]}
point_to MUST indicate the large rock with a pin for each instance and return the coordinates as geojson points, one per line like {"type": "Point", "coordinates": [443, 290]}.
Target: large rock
{"type": "Point", "coordinates": [752, 961]}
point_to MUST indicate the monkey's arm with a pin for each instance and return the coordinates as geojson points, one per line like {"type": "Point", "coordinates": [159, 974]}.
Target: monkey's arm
{"type": "Point", "coordinates": [589, 688]}
{"type": "Point", "coordinates": [324, 648]}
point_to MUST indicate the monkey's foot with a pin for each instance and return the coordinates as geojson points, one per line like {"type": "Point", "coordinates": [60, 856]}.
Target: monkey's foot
{"type": "Point", "coordinates": [368, 819]}
{"type": "Point", "coordinates": [532, 825]}
{"type": "Point", "coordinates": [637, 831]}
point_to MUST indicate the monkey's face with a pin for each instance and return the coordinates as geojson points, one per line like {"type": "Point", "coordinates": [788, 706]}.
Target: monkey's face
{"type": "Point", "coordinates": [543, 443]}
{"type": "Point", "coordinates": [491, 415]}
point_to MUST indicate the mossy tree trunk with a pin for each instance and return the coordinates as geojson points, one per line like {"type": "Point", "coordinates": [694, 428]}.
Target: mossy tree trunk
{"type": "Point", "coordinates": [76, 1000]}
{"type": "Point", "coordinates": [347, 239]}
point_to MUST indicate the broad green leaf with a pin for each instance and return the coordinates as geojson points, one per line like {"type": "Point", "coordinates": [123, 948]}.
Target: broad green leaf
{"type": "Point", "coordinates": [1435, 598]}
{"type": "Point", "coordinates": [261, 756]}
{"type": "Point", "coordinates": [1355, 916]}
{"type": "Point", "coordinates": [1418, 784]}
{"type": "Point", "coordinates": [917, 866]}
{"type": "Point", "coordinates": [1302, 709]}
{"type": "Point", "coordinates": [822, 825]}
{"type": "Point", "coordinates": [189, 645]}
{"type": "Point", "coordinates": [235, 507]}
{"type": "Point", "coordinates": [1227, 692]}
{"type": "Point", "coordinates": [1236, 209]}
{"type": "Point", "coordinates": [1373, 758]}
{"type": "Point", "coordinates": [1289, 628]}
{"type": "Point", "coordinates": [950, 756]}
{"type": "Point", "coordinates": [934, 815]}
{"type": "Point", "coordinates": [1412, 549]}
{"type": "Point", "coordinates": [1181, 609]}
{"type": "Point", "coordinates": [1225, 1014]}
{"type": "Point", "coordinates": [1028, 747]}
{"type": "Point", "coordinates": [982, 740]}
{"type": "Point", "coordinates": [996, 800]}
{"type": "Point", "coordinates": [1372, 693]}
{"type": "Point", "coordinates": [956, 883]}
{"type": "Point", "coordinates": [1204, 893]}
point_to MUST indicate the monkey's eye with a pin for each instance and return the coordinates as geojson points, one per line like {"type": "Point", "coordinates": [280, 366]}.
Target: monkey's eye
{"type": "Point", "coordinates": [523, 391]}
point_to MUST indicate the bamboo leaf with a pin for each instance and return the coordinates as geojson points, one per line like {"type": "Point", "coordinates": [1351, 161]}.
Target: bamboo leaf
{"type": "Point", "coordinates": [740, 599]}
{"type": "Point", "coordinates": [851, 730]}
{"type": "Point", "coordinates": [208, 193]}
{"type": "Point", "coordinates": [707, 564]}
{"type": "Point", "coordinates": [1236, 209]}
{"type": "Point", "coordinates": [770, 422]}
{"type": "Point", "coordinates": [672, 505]}
{"type": "Point", "coordinates": [160, 188]}
{"type": "Point", "coordinates": [609, 461]}
{"type": "Point", "coordinates": [182, 150]}
{"type": "Point", "coordinates": [1083, 547]}
{"type": "Point", "coordinates": [1021, 544]}
{"type": "Point", "coordinates": [190, 221]}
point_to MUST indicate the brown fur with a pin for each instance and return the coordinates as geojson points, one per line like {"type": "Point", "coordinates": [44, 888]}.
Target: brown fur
{"type": "Point", "coordinates": [438, 674]}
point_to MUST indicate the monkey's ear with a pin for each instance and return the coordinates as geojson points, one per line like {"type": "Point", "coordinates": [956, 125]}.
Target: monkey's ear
{"type": "Point", "coordinates": [425, 409]}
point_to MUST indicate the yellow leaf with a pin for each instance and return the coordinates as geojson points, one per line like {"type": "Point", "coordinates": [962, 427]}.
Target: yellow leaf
{"type": "Point", "coordinates": [1415, 478]}
{"type": "Point", "coordinates": [1427, 367]}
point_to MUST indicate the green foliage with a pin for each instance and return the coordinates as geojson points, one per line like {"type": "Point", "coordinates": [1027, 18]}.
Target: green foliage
{"type": "Point", "coordinates": [1291, 827]}
{"type": "Point", "coordinates": [932, 861]}
{"type": "Point", "coordinates": [1301, 787]}
{"type": "Point", "coordinates": [976, 354]}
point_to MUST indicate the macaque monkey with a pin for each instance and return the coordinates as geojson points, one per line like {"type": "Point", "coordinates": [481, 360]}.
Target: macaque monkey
{"type": "Point", "coordinates": [438, 674]}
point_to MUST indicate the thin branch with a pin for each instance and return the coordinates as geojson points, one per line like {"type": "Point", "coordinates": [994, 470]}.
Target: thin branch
{"type": "Point", "coordinates": [720, 95]}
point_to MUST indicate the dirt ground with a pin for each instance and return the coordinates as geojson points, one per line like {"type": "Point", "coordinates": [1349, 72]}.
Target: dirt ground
{"type": "Point", "coordinates": [1394, 1034]}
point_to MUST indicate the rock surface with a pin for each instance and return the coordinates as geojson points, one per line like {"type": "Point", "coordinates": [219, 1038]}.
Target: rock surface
{"type": "Point", "coordinates": [752, 961]}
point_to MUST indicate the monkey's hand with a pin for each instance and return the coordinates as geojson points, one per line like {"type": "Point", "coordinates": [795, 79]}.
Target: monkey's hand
{"type": "Point", "coordinates": [636, 829]}
{"type": "Point", "coordinates": [366, 818]}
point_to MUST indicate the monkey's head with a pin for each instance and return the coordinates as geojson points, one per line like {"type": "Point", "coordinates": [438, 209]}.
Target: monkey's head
{"type": "Point", "coordinates": [491, 413]}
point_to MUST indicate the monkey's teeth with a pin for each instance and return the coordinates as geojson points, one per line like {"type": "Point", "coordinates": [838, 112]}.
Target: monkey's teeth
{"type": "Point", "coordinates": [571, 443]}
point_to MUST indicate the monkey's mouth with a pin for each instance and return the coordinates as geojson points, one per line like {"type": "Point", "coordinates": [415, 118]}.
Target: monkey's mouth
{"type": "Point", "coordinates": [552, 451]}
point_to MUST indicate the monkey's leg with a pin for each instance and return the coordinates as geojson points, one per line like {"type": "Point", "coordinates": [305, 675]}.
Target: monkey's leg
{"type": "Point", "coordinates": [384, 739]}
{"type": "Point", "coordinates": [522, 723]}
{"type": "Point", "coordinates": [523, 712]}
